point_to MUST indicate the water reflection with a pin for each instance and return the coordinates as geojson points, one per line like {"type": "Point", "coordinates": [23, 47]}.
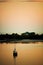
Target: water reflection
{"type": "Point", "coordinates": [14, 60]}
{"type": "Point", "coordinates": [28, 54]}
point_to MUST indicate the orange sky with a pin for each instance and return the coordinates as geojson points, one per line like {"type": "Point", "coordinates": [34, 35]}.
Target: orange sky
{"type": "Point", "coordinates": [18, 17]}
{"type": "Point", "coordinates": [22, 0]}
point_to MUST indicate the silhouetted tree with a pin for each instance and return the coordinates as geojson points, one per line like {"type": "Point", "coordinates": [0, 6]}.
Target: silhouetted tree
{"type": "Point", "coordinates": [15, 36]}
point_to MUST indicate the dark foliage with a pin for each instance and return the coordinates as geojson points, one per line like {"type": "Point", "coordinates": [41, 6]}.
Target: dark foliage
{"type": "Point", "coordinates": [15, 36]}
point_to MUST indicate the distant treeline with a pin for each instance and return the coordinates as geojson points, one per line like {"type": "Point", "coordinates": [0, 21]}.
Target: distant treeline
{"type": "Point", "coordinates": [26, 35]}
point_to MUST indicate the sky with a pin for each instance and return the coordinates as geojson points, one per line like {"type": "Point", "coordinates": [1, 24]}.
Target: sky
{"type": "Point", "coordinates": [21, 0]}
{"type": "Point", "coordinates": [19, 17]}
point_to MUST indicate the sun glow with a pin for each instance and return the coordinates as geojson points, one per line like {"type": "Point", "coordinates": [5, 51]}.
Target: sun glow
{"type": "Point", "coordinates": [18, 17]}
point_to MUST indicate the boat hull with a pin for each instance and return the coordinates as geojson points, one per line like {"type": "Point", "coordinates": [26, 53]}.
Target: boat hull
{"type": "Point", "coordinates": [15, 54]}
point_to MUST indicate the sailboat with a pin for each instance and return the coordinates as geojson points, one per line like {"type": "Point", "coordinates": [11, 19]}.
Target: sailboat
{"type": "Point", "coordinates": [15, 53]}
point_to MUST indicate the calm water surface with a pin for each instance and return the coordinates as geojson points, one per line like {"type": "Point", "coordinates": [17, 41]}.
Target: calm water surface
{"type": "Point", "coordinates": [28, 54]}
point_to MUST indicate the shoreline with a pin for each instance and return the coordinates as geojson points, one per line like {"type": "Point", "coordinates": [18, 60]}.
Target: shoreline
{"type": "Point", "coordinates": [21, 41]}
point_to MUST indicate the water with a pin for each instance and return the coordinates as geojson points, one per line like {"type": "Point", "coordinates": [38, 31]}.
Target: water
{"type": "Point", "coordinates": [28, 54]}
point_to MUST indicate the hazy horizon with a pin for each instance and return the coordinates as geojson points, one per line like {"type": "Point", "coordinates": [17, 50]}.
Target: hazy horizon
{"type": "Point", "coordinates": [20, 17]}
